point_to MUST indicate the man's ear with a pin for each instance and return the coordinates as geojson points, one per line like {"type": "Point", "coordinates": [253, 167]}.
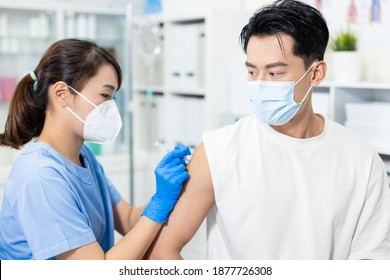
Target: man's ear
{"type": "Point", "coordinates": [319, 73]}
{"type": "Point", "coordinates": [61, 93]}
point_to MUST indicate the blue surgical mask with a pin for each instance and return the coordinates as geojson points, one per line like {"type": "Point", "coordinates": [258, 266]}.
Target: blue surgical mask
{"type": "Point", "coordinates": [273, 102]}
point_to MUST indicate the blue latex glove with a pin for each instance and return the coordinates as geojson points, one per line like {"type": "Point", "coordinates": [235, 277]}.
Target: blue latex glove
{"type": "Point", "coordinates": [170, 175]}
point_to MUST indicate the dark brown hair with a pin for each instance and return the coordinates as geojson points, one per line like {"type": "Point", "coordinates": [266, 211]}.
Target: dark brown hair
{"type": "Point", "coordinates": [73, 61]}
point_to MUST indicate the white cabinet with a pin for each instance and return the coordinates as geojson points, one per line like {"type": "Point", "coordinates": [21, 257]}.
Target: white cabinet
{"type": "Point", "coordinates": [367, 95]}
{"type": "Point", "coordinates": [190, 85]}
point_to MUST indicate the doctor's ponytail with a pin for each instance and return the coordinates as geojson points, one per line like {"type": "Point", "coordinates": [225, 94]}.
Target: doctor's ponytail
{"type": "Point", "coordinates": [26, 115]}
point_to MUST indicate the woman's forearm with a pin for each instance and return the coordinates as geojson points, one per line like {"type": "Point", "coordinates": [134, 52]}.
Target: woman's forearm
{"type": "Point", "coordinates": [135, 215]}
{"type": "Point", "coordinates": [136, 242]}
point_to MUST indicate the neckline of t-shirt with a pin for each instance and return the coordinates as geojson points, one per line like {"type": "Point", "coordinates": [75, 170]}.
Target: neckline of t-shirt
{"type": "Point", "coordinates": [296, 142]}
{"type": "Point", "coordinates": [83, 173]}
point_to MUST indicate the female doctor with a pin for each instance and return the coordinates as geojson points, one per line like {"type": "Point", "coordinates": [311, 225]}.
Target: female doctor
{"type": "Point", "coordinates": [58, 203]}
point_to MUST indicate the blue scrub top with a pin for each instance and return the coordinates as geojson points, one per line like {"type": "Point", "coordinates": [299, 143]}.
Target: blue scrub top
{"type": "Point", "coordinates": [52, 205]}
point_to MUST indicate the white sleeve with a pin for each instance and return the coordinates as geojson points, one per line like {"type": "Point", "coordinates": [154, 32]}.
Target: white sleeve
{"type": "Point", "coordinates": [372, 234]}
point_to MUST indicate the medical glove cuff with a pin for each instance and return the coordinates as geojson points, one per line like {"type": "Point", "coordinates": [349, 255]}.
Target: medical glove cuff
{"type": "Point", "coordinates": [159, 208]}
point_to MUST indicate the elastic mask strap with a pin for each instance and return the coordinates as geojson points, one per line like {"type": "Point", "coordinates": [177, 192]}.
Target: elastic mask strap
{"type": "Point", "coordinates": [307, 93]}
{"type": "Point", "coordinates": [74, 114]}
{"type": "Point", "coordinates": [307, 71]}
{"type": "Point", "coordinates": [82, 96]}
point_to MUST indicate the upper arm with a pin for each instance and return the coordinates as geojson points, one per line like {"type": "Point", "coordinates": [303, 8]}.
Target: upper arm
{"type": "Point", "coordinates": [121, 213]}
{"type": "Point", "coordinates": [51, 232]}
{"type": "Point", "coordinates": [191, 209]}
{"type": "Point", "coordinates": [374, 218]}
{"type": "Point", "coordinates": [91, 251]}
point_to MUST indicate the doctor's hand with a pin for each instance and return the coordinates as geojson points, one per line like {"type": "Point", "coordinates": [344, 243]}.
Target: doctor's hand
{"type": "Point", "coordinates": [170, 175]}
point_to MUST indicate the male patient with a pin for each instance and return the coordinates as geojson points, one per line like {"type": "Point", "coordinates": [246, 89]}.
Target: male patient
{"type": "Point", "coordinates": [284, 182]}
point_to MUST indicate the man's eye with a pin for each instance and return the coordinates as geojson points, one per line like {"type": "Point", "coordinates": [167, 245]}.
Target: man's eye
{"type": "Point", "coordinates": [251, 73]}
{"type": "Point", "coordinates": [274, 74]}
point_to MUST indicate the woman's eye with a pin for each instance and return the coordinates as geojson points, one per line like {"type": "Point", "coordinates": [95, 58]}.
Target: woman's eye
{"type": "Point", "coordinates": [106, 96]}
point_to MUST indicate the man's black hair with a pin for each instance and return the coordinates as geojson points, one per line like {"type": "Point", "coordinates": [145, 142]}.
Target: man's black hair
{"type": "Point", "coordinates": [305, 24]}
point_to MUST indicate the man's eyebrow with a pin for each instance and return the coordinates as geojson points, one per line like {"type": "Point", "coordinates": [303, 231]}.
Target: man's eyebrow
{"type": "Point", "coordinates": [248, 64]}
{"type": "Point", "coordinates": [270, 65]}
{"type": "Point", "coordinates": [275, 64]}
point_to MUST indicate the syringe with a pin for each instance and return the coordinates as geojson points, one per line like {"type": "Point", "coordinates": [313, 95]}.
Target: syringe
{"type": "Point", "coordinates": [165, 149]}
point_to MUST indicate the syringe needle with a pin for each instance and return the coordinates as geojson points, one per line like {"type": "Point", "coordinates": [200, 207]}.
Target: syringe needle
{"type": "Point", "coordinates": [165, 148]}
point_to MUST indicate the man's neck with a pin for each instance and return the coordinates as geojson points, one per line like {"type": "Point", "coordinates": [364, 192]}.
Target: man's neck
{"type": "Point", "coordinates": [309, 126]}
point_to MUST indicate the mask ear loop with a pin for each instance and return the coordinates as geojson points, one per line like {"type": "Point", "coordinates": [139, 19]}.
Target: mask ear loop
{"type": "Point", "coordinates": [304, 75]}
{"type": "Point", "coordinates": [82, 96]}
{"type": "Point", "coordinates": [85, 98]}
{"type": "Point", "coordinates": [307, 93]}
{"type": "Point", "coordinates": [310, 88]}
{"type": "Point", "coordinates": [74, 114]}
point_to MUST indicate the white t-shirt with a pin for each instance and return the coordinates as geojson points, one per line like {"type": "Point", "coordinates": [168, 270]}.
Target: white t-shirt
{"type": "Point", "coordinates": [279, 197]}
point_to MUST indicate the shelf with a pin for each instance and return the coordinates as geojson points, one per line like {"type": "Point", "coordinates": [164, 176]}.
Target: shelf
{"type": "Point", "coordinates": [189, 92]}
{"type": "Point", "coordinates": [325, 84]}
{"type": "Point", "coordinates": [195, 20]}
{"type": "Point", "coordinates": [171, 18]}
{"type": "Point", "coordinates": [198, 93]}
{"type": "Point", "coordinates": [357, 85]}
{"type": "Point", "coordinates": [387, 164]}
{"type": "Point", "coordinates": [144, 88]}
{"type": "Point", "coordinates": [383, 151]}
{"type": "Point", "coordinates": [186, 18]}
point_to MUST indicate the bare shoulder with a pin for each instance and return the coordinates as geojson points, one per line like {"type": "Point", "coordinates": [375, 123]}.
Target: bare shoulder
{"type": "Point", "coordinates": [191, 209]}
{"type": "Point", "coordinates": [198, 193]}
{"type": "Point", "coordinates": [199, 169]}
{"type": "Point", "coordinates": [199, 186]}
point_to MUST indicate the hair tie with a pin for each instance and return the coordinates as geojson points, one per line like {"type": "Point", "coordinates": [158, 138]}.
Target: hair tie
{"type": "Point", "coordinates": [35, 79]}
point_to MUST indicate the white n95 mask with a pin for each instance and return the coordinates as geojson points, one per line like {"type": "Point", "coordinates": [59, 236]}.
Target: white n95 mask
{"type": "Point", "coordinates": [273, 102]}
{"type": "Point", "coordinates": [103, 124]}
